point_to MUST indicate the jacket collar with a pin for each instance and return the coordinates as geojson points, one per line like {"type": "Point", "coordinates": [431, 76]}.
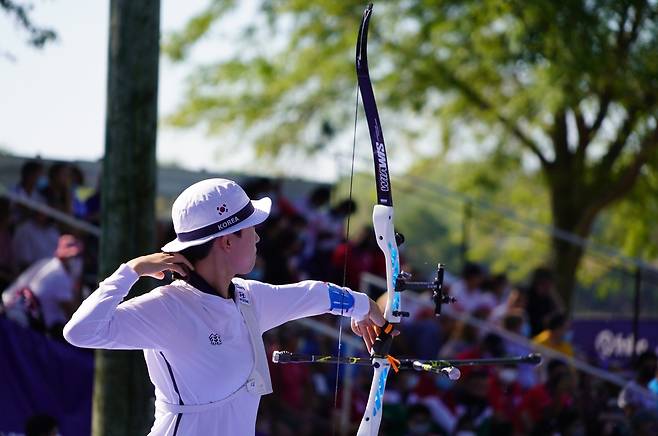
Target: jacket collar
{"type": "Point", "coordinates": [198, 282]}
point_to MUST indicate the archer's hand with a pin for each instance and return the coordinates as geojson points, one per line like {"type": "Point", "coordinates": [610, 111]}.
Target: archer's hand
{"type": "Point", "coordinates": [154, 265]}
{"type": "Point", "coordinates": [368, 328]}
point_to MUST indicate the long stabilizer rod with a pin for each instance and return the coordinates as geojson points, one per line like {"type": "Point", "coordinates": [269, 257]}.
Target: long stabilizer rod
{"type": "Point", "coordinates": [424, 365]}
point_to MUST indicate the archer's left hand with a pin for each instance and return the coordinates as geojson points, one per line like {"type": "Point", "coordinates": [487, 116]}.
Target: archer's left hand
{"type": "Point", "coordinates": [368, 328]}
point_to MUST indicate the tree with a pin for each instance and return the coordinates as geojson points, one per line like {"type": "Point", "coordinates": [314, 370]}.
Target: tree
{"type": "Point", "coordinates": [573, 84]}
{"type": "Point", "coordinates": [39, 36]}
{"type": "Point", "coordinates": [122, 391]}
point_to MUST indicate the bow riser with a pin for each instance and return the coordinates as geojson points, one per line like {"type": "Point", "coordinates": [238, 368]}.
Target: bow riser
{"type": "Point", "coordinates": [382, 218]}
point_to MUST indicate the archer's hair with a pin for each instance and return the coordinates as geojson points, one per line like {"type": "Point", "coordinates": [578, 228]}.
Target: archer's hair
{"type": "Point", "coordinates": [199, 252]}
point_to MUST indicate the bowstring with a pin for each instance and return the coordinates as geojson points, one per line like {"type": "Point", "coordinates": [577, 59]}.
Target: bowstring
{"type": "Point", "coordinates": [347, 251]}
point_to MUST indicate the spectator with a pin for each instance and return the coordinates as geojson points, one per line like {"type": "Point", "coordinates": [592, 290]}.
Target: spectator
{"type": "Point", "coordinates": [491, 346]}
{"type": "Point", "coordinates": [6, 254]}
{"type": "Point", "coordinates": [555, 335]}
{"type": "Point", "coordinates": [463, 337]}
{"type": "Point", "coordinates": [33, 240]}
{"type": "Point", "coordinates": [472, 407]}
{"type": "Point", "coordinates": [92, 206]}
{"type": "Point", "coordinates": [498, 286]}
{"type": "Point", "coordinates": [314, 209]}
{"type": "Point", "coordinates": [279, 247]}
{"type": "Point", "coordinates": [514, 323]}
{"type": "Point", "coordinates": [335, 228]}
{"type": "Point", "coordinates": [516, 301]}
{"type": "Point", "coordinates": [293, 381]}
{"type": "Point", "coordinates": [548, 408]}
{"type": "Point", "coordinates": [58, 193]}
{"type": "Point", "coordinates": [327, 238]}
{"type": "Point", "coordinates": [31, 180]}
{"type": "Point", "coordinates": [644, 423]}
{"type": "Point", "coordinates": [41, 425]}
{"type": "Point", "coordinates": [467, 290]}
{"type": "Point", "coordinates": [79, 193]}
{"type": "Point", "coordinates": [28, 187]}
{"type": "Point", "coordinates": [435, 392]}
{"type": "Point", "coordinates": [505, 396]}
{"type": "Point", "coordinates": [420, 423]}
{"type": "Point", "coordinates": [46, 291]}
{"type": "Point", "coordinates": [653, 384]}
{"type": "Point", "coordinates": [542, 300]}
{"type": "Point", "coordinates": [363, 255]}
{"type": "Point", "coordinates": [635, 398]}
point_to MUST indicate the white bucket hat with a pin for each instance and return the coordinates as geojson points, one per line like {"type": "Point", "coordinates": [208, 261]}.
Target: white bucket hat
{"type": "Point", "coordinates": [212, 208]}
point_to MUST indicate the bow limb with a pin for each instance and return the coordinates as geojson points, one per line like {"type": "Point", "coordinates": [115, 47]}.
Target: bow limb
{"type": "Point", "coordinates": [382, 218]}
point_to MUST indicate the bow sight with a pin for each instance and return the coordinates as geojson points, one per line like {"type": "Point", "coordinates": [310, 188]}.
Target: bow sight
{"type": "Point", "coordinates": [402, 283]}
{"type": "Point", "coordinates": [438, 296]}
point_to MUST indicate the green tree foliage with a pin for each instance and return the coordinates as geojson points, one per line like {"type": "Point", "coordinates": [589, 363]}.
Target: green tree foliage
{"type": "Point", "coordinates": [570, 85]}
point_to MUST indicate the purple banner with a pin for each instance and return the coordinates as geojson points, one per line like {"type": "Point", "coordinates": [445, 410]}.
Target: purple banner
{"type": "Point", "coordinates": [41, 375]}
{"type": "Point", "coordinates": [610, 342]}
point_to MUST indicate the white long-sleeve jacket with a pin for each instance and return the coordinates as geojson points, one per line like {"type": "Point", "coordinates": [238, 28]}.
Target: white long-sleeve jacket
{"type": "Point", "coordinates": [196, 343]}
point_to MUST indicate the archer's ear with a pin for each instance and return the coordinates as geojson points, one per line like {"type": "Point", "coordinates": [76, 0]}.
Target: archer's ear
{"type": "Point", "coordinates": [223, 242]}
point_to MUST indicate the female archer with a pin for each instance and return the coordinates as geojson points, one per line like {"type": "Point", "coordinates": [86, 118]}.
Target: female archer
{"type": "Point", "coordinates": [202, 334]}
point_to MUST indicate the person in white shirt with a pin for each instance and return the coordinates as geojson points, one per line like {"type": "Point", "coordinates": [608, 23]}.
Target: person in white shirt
{"type": "Point", "coordinates": [635, 396]}
{"type": "Point", "coordinates": [34, 239]}
{"type": "Point", "coordinates": [46, 292]}
{"type": "Point", "coordinates": [468, 293]}
{"type": "Point", "coordinates": [202, 335]}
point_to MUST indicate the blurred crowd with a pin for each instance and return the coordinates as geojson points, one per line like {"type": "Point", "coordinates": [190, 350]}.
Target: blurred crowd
{"type": "Point", "coordinates": [46, 268]}
{"type": "Point", "coordinates": [43, 260]}
{"type": "Point", "coordinates": [552, 399]}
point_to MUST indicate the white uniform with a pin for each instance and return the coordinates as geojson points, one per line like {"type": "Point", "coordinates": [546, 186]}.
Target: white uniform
{"type": "Point", "coordinates": [196, 344]}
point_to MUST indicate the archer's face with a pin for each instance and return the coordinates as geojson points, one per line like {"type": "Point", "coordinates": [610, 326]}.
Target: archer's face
{"type": "Point", "coordinates": [244, 250]}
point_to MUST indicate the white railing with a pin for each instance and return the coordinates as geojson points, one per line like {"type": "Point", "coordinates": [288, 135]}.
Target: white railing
{"type": "Point", "coordinates": [51, 212]}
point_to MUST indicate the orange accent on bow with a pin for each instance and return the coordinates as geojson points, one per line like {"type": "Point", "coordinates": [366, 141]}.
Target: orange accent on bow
{"type": "Point", "coordinates": [395, 363]}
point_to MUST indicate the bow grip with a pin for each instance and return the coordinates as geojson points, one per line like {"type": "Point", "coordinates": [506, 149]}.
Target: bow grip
{"type": "Point", "coordinates": [383, 342]}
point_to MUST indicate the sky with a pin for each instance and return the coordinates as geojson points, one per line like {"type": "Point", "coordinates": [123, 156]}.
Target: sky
{"type": "Point", "coordinates": [52, 101]}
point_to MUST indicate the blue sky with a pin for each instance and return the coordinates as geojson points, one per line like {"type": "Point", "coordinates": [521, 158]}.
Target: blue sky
{"type": "Point", "coordinates": [52, 101]}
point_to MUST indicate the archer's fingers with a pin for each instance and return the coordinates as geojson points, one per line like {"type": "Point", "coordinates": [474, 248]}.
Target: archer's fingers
{"type": "Point", "coordinates": [177, 268]}
{"type": "Point", "coordinates": [368, 342]}
{"type": "Point", "coordinates": [372, 334]}
{"type": "Point", "coordinates": [179, 258]}
{"type": "Point", "coordinates": [375, 314]}
{"type": "Point", "coordinates": [355, 328]}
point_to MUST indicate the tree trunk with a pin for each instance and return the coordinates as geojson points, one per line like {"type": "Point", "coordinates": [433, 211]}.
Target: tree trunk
{"type": "Point", "coordinates": [572, 214]}
{"type": "Point", "coordinates": [122, 392]}
{"type": "Point", "coordinates": [565, 260]}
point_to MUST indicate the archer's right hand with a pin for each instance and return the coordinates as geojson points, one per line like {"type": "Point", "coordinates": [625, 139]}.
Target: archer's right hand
{"type": "Point", "coordinates": [155, 265]}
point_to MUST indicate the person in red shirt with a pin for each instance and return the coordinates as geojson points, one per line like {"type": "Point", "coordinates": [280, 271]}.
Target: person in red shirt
{"type": "Point", "coordinates": [549, 407]}
{"type": "Point", "coordinates": [363, 255]}
{"type": "Point", "coordinates": [505, 396]}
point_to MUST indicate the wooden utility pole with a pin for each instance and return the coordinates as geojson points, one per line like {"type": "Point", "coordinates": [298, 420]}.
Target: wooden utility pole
{"type": "Point", "coordinates": [122, 392]}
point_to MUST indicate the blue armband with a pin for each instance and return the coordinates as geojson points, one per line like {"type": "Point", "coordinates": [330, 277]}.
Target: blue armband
{"type": "Point", "coordinates": [340, 299]}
